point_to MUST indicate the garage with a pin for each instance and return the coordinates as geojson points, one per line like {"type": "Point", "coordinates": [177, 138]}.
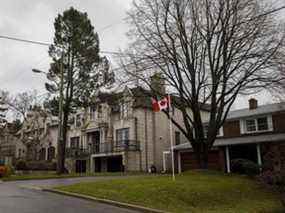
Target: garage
{"type": "Point", "coordinates": [188, 161]}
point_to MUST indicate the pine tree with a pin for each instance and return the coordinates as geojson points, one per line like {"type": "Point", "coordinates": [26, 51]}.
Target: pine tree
{"type": "Point", "coordinates": [76, 46]}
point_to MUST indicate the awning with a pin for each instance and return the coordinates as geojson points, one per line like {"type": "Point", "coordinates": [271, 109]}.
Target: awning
{"type": "Point", "coordinates": [240, 140]}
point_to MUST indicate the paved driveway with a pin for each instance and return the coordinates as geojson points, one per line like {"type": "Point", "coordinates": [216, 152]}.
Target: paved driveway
{"type": "Point", "coordinates": [24, 197]}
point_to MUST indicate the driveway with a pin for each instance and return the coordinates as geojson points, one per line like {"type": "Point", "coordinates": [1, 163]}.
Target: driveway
{"type": "Point", "coordinates": [26, 197]}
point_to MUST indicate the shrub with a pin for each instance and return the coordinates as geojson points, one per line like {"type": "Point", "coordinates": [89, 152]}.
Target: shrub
{"type": "Point", "coordinates": [41, 165]}
{"type": "Point", "coordinates": [244, 166]}
{"type": "Point", "coordinates": [273, 178]}
{"type": "Point", "coordinates": [9, 171]}
{"type": "Point", "coordinates": [21, 165]}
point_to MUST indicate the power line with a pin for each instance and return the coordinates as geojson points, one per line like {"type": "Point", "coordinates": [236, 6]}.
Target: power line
{"type": "Point", "coordinates": [46, 43]}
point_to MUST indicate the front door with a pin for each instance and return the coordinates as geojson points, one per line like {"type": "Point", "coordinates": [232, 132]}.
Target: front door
{"type": "Point", "coordinates": [97, 162]}
{"type": "Point", "coordinates": [80, 166]}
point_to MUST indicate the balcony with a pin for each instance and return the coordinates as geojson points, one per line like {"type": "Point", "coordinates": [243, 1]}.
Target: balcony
{"type": "Point", "coordinates": [74, 152]}
{"type": "Point", "coordinates": [117, 146]}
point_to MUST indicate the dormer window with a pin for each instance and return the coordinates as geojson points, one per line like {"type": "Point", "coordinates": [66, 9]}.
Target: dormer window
{"type": "Point", "coordinates": [220, 133]}
{"type": "Point", "coordinates": [259, 124]}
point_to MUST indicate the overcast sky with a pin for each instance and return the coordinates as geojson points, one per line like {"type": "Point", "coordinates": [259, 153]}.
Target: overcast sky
{"type": "Point", "coordinates": [33, 19]}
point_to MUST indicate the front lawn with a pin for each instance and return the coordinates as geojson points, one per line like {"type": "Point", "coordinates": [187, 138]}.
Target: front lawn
{"type": "Point", "coordinates": [53, 175]}
{"type": "Point", "coordinates": [191, 192]}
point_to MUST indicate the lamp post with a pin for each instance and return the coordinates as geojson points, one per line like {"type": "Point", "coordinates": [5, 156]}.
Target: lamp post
{"type": "Point", "coordinates": [60, 161]}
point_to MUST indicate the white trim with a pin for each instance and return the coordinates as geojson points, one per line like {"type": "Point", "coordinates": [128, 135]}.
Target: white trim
{"type": "Point", "coordinates": [243, 128]}
{"type": "Point", "coordinates": [270, 123]}
{"type": "Point", "coordinates": [221, 132]}
{"type": "Point", "coordinates": [106, 154]}
{"type": "Point", "coordinates": [228, 160]}
{"type": "Point", "coordinates": [164, 153]}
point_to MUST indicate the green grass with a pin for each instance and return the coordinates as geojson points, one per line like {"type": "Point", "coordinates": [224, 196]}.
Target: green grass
{"type": "Point", "coordinates": [53, 175]}
{"type": "Point", "coordinates": [195, 192]}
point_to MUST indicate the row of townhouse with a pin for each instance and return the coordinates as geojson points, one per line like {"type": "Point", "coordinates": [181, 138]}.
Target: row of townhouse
{"type": "Point", "coordinates": [256, 133]}
{"type": "Point", "coordinates": [121, 133]}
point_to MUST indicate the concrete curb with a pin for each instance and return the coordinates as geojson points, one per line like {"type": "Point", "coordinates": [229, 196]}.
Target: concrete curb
{"type": "Point", "coordinates": [106, 201]}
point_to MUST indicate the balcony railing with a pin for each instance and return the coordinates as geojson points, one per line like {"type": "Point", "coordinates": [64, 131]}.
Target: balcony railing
{"type": "Point", "coordinates": [74, 152]}
{"type": "Point", "coordinates": [116, 146]}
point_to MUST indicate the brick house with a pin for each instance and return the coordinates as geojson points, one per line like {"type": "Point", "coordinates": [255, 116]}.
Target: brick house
{"type": "Point", "coordinates": [256, 133]}
{"type": "Point", "coordinates": [121, 133]}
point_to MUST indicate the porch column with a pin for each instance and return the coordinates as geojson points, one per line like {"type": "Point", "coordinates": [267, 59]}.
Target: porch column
{"type": "Point", "coordinates": [259, 162]}
{"type": "Point", "coordinates": [179, 162]}
{"type": "Point", "coordinates": [228, 160]}
{"type": "Point", "coordinates": [92, 165]}
{"type": "Point", "coordinates": [46, 157]}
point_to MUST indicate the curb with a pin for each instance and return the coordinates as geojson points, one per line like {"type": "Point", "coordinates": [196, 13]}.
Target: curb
{"type": "Point", "coordinates": [106, 201]}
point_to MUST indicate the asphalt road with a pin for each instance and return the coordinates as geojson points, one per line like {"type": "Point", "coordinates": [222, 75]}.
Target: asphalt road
{"type": "Point", "coordinates": [26, 197]}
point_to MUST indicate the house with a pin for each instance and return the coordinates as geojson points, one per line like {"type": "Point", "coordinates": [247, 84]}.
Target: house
{"type": "Point", "coordinates": [121, 132]}
{"type": "Point", "coordinates": [11, 147]}
{"type": "Point", "coordinates": [256, 133]}
{"type": "Point", "coordinates": [39, 136]}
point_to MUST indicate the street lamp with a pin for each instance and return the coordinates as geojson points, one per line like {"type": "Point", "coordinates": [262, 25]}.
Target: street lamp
{"type": "Point", "coordinates": [60, 151]}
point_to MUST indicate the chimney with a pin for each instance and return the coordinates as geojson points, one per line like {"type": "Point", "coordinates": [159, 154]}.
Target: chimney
{"type": "Point", "coordinates": [252, 103]}
{"type": "Point", "coordinates": [157, 83]}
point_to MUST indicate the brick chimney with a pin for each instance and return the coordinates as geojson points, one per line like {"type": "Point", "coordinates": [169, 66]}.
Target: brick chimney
{"type": "Point", "coordinates": [253, 104]}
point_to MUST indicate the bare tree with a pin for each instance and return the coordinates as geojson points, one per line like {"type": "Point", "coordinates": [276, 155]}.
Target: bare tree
{"type": "Point", "coordinates": [207, 52]}
{"type": "Point", "coordinates": [21, 103]}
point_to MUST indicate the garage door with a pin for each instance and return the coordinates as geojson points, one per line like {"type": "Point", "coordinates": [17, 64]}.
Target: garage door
{"type": "Point", "coordinates": [189, 161]}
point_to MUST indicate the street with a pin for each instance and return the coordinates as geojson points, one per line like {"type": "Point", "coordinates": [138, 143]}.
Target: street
{"type": "Point", "coordinates": [26, 197]}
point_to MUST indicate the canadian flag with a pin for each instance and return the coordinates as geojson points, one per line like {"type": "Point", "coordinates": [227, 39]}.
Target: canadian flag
{"type": "Point", "coordinates": [160, 104]}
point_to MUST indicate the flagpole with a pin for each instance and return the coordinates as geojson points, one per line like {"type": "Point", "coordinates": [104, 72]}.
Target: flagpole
{"type": "Point", "coordinates": [171, 138]}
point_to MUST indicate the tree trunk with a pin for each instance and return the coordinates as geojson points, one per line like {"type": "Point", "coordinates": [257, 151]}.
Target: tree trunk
{"type": "Point", "coordinates": [62, 146]}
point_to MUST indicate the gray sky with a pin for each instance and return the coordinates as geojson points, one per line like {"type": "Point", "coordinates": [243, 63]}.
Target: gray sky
{"type": "Point", "coordinates": [33, 19]}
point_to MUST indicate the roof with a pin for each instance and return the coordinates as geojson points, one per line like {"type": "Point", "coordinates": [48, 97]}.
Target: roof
{"type": "Point", "coordinates": [263, 109]}
{"type": "Point", "coordinates": [141, 96]}
{"type": "Point", "coordinates": [240, 140]}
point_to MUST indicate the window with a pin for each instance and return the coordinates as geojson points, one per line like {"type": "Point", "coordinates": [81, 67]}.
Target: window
{"type": "Point", "coordinates": [259, 124]}
{"type": "Point", "coordinates": [92, 113]}
{"type": "Point", "coordinates": [122, 135]}
{"type": "Point", "coordinates": [262, 123]}
{"type": "Point", "coordinates": [250, 125]}
{"type": "Point", "coordinates": [100, 111]}
{"type": "Point", "coordinates": [78, 120]}
{"type": "Point", "coordinates": [177, 138]}
{"type": "Point", "coordinates": [206, 130]}
{"type": "Point", "coordinates": [125, 109]}
{"type": "Point", "coordinates": [74, 142]}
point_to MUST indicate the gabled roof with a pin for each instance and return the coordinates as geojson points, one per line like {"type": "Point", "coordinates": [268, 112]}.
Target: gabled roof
{"type": "Point", "coordinates": [260, 110]}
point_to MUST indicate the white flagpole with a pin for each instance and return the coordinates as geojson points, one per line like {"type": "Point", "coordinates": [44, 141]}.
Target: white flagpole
{"type": "Point", "coordinates": [171, 138]}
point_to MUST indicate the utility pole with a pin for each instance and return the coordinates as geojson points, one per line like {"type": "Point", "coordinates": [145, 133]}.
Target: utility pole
{"type": "Point", "coordinates": [60, 151]}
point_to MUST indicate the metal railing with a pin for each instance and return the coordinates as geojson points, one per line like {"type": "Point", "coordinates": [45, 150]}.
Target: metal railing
{"type": "Point", "coordinates": [115, 146]}
{"type": "Point", "coordinates": [76, 152]}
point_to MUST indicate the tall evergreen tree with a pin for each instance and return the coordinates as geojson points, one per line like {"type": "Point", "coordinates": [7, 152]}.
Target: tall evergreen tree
{"type": "Point", "coordinates": [76, 50]}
